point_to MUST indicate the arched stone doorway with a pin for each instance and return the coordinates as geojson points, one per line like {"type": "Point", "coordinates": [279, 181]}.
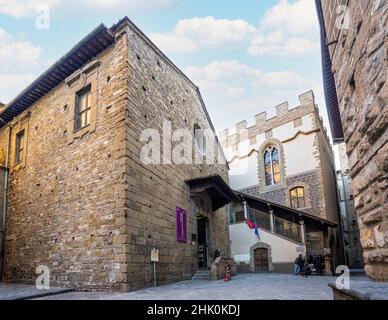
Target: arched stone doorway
{"type": "Point", "coordinates": [261, 258]}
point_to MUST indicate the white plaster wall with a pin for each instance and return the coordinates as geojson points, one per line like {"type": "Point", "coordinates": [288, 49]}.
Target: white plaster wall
{"type": "Point", "coordinates": [299, 154]}
{"type": "Point", "coordinates": [244, 172]}
{"type": "Point", "coordinates": [260, 139]}
{"type": "Point", "coordinates": [243, 238]}
{"type": "Point", "coordinates": [244, 147]}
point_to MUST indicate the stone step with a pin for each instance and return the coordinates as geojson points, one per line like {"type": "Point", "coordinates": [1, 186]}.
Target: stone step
{"type": "Point", "coordinates": [202, 274]}
{"type": "Point", "coordinates": [201, 278]}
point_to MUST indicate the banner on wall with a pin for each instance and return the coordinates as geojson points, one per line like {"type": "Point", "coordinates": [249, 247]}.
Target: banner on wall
{"type": "Point", "coordinates": [181, 234]}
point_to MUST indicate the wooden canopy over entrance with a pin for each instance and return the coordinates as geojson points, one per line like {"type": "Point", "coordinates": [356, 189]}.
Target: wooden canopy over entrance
{"type": "Point", "coordinates": [218, 190]}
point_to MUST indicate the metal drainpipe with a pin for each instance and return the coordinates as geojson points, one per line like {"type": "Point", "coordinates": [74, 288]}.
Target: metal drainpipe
{"type": "Point", "coordinates": [5, 199]}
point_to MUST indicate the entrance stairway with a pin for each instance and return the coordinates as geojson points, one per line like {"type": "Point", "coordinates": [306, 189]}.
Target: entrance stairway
{"type": "Point", "coordinates": [202, 274]}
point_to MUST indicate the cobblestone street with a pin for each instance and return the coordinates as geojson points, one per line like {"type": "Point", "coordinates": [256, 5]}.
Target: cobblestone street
{"type": "Point", "coordinates": [242, 287]}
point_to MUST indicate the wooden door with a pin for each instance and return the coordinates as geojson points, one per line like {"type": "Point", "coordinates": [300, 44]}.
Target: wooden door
{"type": "Point", "coordinates": [261, 260]}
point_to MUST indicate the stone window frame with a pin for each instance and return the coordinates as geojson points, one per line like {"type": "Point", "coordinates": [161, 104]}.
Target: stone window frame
{"type": "Point", "coordinates": [19, 146]}
{"type": "Point", "coordinates": [81, 79]}
{"type": "Point", "coordinates": [260, 245]}
{"type": "Point", "coordinates": [303, 185]}
{"type": "Point", "coordinates": [282, 164]}
{"type": "Point", "coordinates": [17, 127]}
{"type": "Point", "coordinates": [78, 108]}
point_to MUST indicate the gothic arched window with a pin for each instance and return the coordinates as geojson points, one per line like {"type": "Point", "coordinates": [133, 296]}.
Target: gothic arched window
{"type": "Point", "coordinates": [272, 166]}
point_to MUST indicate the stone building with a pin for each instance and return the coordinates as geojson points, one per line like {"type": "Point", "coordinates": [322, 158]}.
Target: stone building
{"type": "Point", "coordinates": [350, 230]}
{"type": "Point", "coordinates": [354, 47]}
{"type": "Point", "coordinates": [81, 200]}
{"type": "Point", "coordinates": [288, 160]}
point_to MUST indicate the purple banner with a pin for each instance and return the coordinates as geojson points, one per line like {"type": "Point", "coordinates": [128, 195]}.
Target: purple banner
{"type": "Point", "coordinates": [181, 235]}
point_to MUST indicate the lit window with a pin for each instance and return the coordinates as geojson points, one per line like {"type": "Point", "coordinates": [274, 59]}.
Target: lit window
{"type": "Point", "coordinates": [297, 197]}
{"type": "Point", "coordinates": [83, 107]}
{"type": "Point", "coordinates": [272, 166]}
{"type": "Point", "coordinates": [19, 147]}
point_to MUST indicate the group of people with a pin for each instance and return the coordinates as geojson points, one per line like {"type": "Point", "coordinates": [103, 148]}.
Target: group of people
{"type": "Point", "coordinates": [313, 265]}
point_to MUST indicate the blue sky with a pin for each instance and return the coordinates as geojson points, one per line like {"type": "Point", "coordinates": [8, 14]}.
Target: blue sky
{"type": "Point", "coordinates": [246, 56]}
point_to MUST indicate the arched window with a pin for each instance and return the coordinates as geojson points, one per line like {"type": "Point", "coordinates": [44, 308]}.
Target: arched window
{"type": "Point", "coordinates": [272, 166]}
{"type": "Point", "coordinates": [297, 197]}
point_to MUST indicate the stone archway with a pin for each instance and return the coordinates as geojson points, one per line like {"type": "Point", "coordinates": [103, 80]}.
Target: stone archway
{"type": "Point", "coordinates": [260, 245]}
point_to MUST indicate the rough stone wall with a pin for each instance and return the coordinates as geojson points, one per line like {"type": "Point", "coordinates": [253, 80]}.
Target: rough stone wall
{"type": "Point", "coordinates": [328, 178]}
{"type": "Point", "coordinates": [328, 191]}
{"type": "Point", "coordinates": [351, 231]}
{"type": "Point", "coordinates": [157, 91]}
{"type": "Point", "coordinates": [360, 69]}
{"type": "Point", "coordinates": [2, 176]}
{"type": "Point", "coordinates": [3, 142]}
{"type": "Point", "coordinates": [65, 205]}
{"type": "Point", "coordinates": [2, 173]}
{"type": "Point", "coordinates": [315, 243]}
{"type": "Point", "coordinates": [88, 208]}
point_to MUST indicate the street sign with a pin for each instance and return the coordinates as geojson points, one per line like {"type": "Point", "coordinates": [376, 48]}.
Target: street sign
{"type": "Point", "coordinates": [154, 255]}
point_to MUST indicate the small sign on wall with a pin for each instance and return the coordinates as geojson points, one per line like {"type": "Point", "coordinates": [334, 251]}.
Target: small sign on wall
{"type": "Point", "coordinates": [300, 249]}
{"type": "Point", "coordinates": [181, 235]}
{"type": "Point", "coordinates": [154, 255]}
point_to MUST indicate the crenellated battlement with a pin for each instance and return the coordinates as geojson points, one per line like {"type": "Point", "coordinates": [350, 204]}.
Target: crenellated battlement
{"type": "Point", "coordinates": [263, 124]}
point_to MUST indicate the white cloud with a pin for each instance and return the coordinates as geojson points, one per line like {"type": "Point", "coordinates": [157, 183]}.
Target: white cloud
{"type": "Point", "coordinates": [27, 8]}
{"type": "Point", "coordinates": [19, 58]}
{"type": "Point", "coordinates": [283, 79]}
{"type": "Point", "coordinates": [297, 17]}
{"type": "Point", "coordinates": [224, 71]}
{"type": "Point", "coordinates": [13, 83]}
{"type": "Point", "coordinates": [279, 45]}
{"type": "Point", "coordinates": [288, 29]}
{"type": "Point", "coordinates": [234, 74]}
{"type": "Point", "coordinates": [231, 88]}
{"type": "Point", "coordinates": [17, 54]}
{"type": "Point", "coordinates": [190, 35]}
{"type": "Point", "coordinates": [24, 8]}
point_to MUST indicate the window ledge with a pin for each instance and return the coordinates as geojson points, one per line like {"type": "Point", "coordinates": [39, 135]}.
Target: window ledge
{"type": "Point", "coordinates": [273, 187]}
